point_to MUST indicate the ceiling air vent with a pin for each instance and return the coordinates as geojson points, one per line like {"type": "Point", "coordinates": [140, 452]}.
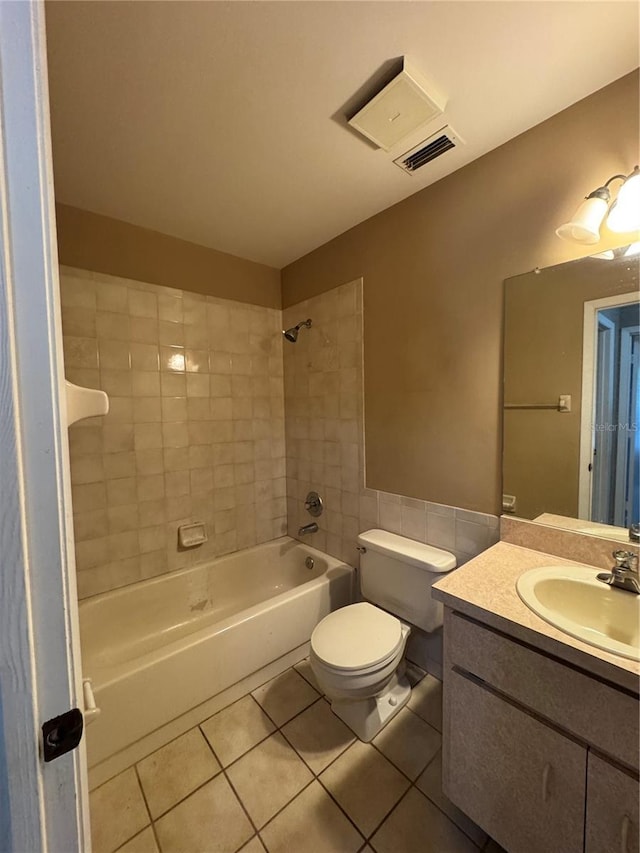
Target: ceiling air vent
{"type": "Point", "coordinates": [424, 152]}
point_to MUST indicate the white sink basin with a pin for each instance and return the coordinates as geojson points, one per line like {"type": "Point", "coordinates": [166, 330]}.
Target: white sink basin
{"type": "Point", "coordinates": [583, 607]}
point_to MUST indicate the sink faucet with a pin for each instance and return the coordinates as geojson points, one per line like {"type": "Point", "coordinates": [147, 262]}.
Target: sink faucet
{"type": "Point", "coordinates": [312, 527]}
{"type": "Point", "coordinates": [624, 575]}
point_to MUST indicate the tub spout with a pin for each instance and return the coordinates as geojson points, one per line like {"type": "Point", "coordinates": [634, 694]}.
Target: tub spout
{"type": "Point", "coordinates": [312, 527]}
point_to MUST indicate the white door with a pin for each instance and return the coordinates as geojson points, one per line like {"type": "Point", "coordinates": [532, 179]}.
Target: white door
{"type": "Point", "coordinates": [42, 805]}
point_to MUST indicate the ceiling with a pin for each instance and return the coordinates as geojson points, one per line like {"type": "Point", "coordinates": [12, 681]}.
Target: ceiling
{"type": "Point", "coordinates": [223, 122]}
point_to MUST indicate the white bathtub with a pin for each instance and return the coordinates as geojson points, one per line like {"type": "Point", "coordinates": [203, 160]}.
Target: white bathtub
{"type": "Point", "coordinates": [159, 648]}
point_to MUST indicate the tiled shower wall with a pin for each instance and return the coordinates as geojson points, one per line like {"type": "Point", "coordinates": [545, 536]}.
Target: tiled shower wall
{"type": "Point", "coordinates": [323, 389]}
{"type": "Point", "coordinates": [195, 429]}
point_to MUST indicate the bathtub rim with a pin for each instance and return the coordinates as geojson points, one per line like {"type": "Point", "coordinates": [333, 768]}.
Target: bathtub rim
{"type": "Point", "coordinates": [85, 603]}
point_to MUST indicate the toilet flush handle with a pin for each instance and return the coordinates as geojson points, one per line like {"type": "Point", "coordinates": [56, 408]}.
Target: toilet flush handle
{"type": "Point", "coordinates": [361, 548]}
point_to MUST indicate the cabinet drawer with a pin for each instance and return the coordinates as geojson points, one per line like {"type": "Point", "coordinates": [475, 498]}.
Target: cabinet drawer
{"type": "Point", "coordinates": [573, 700]}
{"type": "Point", "coordinates": [612, 809]}
{"type": "Point", "coordinates": [520, 780]}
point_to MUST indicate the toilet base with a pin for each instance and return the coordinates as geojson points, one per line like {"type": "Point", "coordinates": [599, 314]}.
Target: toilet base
{"type": "Point", "coordinates": [366, 717]}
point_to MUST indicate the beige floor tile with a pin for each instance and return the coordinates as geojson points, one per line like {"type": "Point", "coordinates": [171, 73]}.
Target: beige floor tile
{"type": "Point", "coordinates": [237, 729]}
{"type": "Point", "coordinates": [285, 696]}
{"type": "Point", "coordinates": [305, 670]}
{"type": "Point", "coordinates": [417, 826]}
{"type": "Point", "coordinates": [175, 770]}
{"type": "Point", "coordinates": [430, 783]}
{"type": "Point", "coordinates": [117, 812]}
{"type": "Point", "coordinates": [312, 823]}
{"type": "Point", "coordinates": [365, 784]}
{"type": "Point", "coordinates": [426, 701]}
{"type": "Point", "coordinates": [268, 777]}
{"type": "Point", "coordinates": [254, 846]}
{"type": "Point", "coordinates": [409, 742]}
{"type": "Point", "coordinates": [144, 842]}
{"type": "Point", "coordinates": [318, 735]}
{"type": "Point", "coordinates": [209, 821]}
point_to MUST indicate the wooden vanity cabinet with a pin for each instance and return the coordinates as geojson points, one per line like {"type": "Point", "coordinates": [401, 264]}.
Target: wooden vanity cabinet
{"type": "Point", "coordinates": [521, 781]}
{"type": "Point", "coordinates": [612, 809]}
{"type": "Point", "coordinates": [520, 730]}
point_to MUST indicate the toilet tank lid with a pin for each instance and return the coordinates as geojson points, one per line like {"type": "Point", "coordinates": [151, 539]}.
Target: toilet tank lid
{"type": "Point", "coordinates": [408, 550]}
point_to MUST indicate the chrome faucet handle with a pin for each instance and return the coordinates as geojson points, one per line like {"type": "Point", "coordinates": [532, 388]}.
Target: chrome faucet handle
{"type": "Point", "coordinates": [626, 560]}
{"type": "Point", "coordinates": [314, 504]}
{"type": "Point", "coordinates": [634, 532]}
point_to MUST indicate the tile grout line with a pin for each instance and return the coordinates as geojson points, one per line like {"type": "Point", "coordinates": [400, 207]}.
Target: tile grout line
{"type": "Point", "coordinates": [230, 783]}
{"type": "Point", "coordinates": [146, 803]}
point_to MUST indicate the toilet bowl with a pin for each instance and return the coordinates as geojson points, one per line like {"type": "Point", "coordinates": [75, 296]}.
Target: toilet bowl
{"type": "Point", "coordinates": [356, 656]}
{"type": "Point", "coordinates": [357, 652]}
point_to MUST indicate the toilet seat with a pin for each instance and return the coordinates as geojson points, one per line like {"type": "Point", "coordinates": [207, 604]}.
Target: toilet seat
{"type": "Point", "coordinates": [357, 638]}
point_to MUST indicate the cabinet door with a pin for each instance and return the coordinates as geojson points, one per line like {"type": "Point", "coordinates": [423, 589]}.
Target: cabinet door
{"type": "Point", "coordinates": [612, 809]}
{"type": "Point", "coordinates": [521, 781]}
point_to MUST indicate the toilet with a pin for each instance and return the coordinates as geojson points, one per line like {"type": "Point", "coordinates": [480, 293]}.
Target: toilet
{"type": "Point", "coordinates": [357, 651]}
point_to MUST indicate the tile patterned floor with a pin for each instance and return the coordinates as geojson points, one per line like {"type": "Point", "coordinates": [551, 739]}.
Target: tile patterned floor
{"type": "Point", "coordinates": [277, 771]}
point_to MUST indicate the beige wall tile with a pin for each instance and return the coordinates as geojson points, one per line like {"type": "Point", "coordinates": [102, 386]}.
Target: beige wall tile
{"type": "Point", "coordinates": [172, 359]}
{"type": "Point", "coordinates": [170, 308]}
{"type": "Point", "coordinates": [144, 356]}
{"type": "Point", "coordinates": [144, 330]}
{"type": "Point", "coordinates": [143, 304]}
{"type": "Point", "coordinates": [123, 518]}
{"type": "Point", "coordinates": [79, 322]}
{"type": "Point", "coordinates": [81, 352]}
{"type": "Point", "coordinates": [111, 297]}
{"type": "Point", "coordinates": [121, 491]}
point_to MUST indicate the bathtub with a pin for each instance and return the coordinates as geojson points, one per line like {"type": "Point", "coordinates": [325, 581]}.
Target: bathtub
{"type": "Point", "coordinates": [159, 648]}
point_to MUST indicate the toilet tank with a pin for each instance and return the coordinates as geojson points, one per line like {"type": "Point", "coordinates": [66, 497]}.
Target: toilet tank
{"type": "Point", "coordinates": [397, 573]}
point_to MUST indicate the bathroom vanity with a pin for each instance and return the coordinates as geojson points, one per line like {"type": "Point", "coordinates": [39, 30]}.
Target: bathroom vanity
{"type": "Point", "coordinates": [541, 731]}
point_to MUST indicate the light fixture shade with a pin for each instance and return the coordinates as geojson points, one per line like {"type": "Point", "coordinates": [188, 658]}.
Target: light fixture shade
{"type": "Point", "coordinates": [625, 213]}
{"type": "Point", "coordinates": [584, 226]}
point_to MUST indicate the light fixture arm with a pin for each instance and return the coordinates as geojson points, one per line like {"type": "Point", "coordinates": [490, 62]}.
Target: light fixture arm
{"type": "Point", "coordinates": [584, 227]}
{"type": "Point", "coordinates": [604, 192]}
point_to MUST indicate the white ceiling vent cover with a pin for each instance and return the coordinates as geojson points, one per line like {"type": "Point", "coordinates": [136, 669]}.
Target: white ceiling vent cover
{"type": "Point", "coordinates": [443, 140]}
{"type": "Point", "coordinates": [402, 106]}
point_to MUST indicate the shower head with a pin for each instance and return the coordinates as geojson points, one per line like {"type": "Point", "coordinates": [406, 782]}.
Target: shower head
{"type": "Point", "coordinates": [292, 333]}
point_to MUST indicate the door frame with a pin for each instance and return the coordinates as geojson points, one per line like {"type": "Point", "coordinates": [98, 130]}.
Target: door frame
{"type": "Point", "coordinates": [589, 350]}
{"type": "Point", "coordinates": [43, 806]}
{"type": "Point", "coordinates": [624, 466]}
{"type": "Point", "coordinates": [604, 357]}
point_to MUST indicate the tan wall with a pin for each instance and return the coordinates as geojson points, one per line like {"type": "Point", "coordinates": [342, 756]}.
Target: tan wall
{"type": "Point", "coordinates": [433, 269]}
{"type": "Point", "coordinates": [98, 243]}
{"type": "Point", "coordinates": [544, 319]}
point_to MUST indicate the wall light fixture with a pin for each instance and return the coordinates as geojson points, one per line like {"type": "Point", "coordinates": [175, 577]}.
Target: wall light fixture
{"type": "Point", "coordinates": [623, 213]}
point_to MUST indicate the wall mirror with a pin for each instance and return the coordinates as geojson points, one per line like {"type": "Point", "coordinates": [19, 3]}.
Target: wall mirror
{"type": "Point", "coordinates": [571, 455]}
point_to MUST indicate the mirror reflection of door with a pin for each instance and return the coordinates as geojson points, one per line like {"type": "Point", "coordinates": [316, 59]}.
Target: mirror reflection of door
{"type": "Point", "coordinates": [614, 469]}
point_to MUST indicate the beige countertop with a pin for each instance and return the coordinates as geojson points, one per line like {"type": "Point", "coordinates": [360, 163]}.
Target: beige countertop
{"type": "Point", "coordinates": [485, 589]}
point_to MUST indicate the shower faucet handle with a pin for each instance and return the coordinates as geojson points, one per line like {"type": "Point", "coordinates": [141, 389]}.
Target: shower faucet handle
{"type": "Point", "coordinates": [313, 504]}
